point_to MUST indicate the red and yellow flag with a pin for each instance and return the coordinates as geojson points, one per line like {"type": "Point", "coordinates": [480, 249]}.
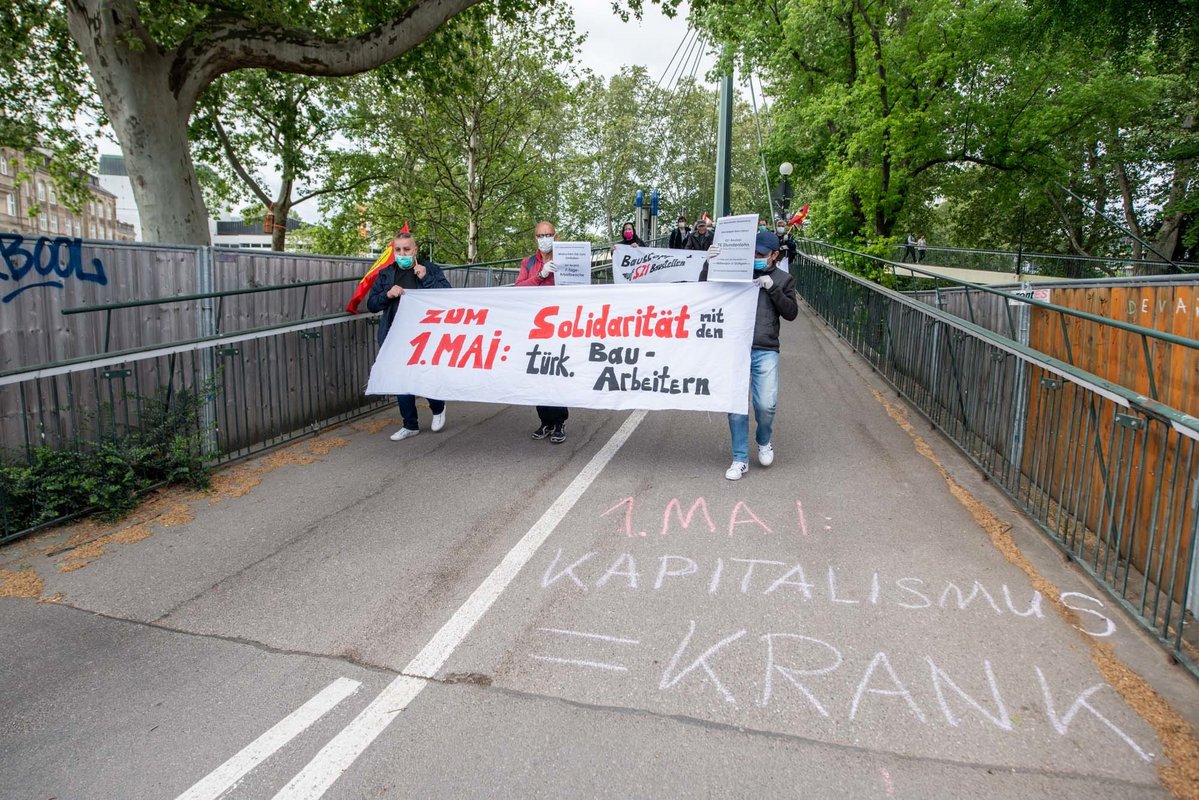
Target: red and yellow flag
{"type": "Point", "coordinates": [800, 216]}
{"type": "Point", "coordinates": [364, 286]}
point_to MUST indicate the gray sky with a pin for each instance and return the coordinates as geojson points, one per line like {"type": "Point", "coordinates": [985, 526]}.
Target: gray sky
{"type": "Point", "coordinates": [612, 44]}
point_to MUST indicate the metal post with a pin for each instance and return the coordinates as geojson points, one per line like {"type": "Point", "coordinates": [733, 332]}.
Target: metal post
{"type": "Point", "coordinates": [206, 325]}
{"type": "Point", "coordinates": [724, 147]}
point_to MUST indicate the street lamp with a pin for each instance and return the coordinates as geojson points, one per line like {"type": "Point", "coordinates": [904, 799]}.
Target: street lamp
{"type": "Point", "coordinates": [782, 192]}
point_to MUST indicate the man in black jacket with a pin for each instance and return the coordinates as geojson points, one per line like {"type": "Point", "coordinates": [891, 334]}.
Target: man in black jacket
{"type": "Point", "coordinates": [405, 274]}
{"type": "Point", "coordinates": [776, 298]}
{"type": "Point", "coordinates": [679, 235]}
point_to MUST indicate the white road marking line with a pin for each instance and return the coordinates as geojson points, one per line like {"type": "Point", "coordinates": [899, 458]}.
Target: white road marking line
{"type": "Point", "coordinates": [594, 664]}
{"type": "Point", "coordinates": [337, 756]}
{"type": "Point", "coordinates": [228, 775]}
{"type": "Point", "coordinates": [592, 636]}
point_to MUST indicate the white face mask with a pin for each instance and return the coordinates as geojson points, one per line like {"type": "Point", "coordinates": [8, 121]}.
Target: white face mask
{"type": "Point", "coordinates": [682, 225]}
{"type": "Point", "coordinates": [545, 243]}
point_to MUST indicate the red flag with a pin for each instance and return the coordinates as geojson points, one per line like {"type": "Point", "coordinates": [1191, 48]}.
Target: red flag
{"type": "Point", "coordinates": [405, 228]}
{"type": "Point", "coordinates": [800, 215]}
{"type": "Point", "coordinates": [368, 280]}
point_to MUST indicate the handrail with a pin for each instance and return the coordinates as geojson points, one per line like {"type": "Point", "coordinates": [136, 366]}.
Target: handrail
{"type": "Point", "coordinates": [1127, 326]}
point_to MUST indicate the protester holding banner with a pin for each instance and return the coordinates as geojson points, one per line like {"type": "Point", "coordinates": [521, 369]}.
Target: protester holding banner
{"type": "Point", "coordinates": [700, 238]}
{"type": "Point", "coordinates": [679, 235]}
{"type": "Point", "coordinates": [776, 298]}
{"type": "Point", "coordinates": [404, 274]}
{"type": "Point", "coordinates": [538, 270]}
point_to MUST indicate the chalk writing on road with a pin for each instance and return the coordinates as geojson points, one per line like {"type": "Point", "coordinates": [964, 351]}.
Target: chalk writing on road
{"type": "Point", "coordinates": [43, 261]}
{"type": "Point", "coordinates": [792, 673]}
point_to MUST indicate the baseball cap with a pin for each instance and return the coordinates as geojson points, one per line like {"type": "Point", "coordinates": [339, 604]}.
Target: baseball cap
{"type": "Point", "coordinates": [766, 242]}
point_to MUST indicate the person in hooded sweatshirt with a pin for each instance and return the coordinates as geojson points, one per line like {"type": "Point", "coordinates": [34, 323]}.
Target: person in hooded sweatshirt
{"type": "Point", "coordinates": [776, 299]}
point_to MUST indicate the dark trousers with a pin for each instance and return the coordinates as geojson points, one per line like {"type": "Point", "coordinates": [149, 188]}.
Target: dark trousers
{"type": "Point", "coordinates": [407, 404]}
{"type": "Point", "coordinates": [552, 415]}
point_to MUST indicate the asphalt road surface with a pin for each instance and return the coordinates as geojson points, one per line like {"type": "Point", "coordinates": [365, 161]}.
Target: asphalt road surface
{"type": "Point", "coordinates": [476, 614]}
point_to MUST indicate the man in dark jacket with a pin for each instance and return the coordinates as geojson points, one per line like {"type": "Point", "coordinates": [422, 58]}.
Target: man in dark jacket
{"type": "Point", "coordinates": [679, 235]}
{"type": "Point", "coordinates": [776, 298]}
{"type": "Point", "coordinates": [700, 238]}
{"type": "Point", "coordinates": [405, 274]}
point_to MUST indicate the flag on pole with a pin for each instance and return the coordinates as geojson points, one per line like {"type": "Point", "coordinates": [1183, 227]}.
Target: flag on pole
{"type": "Point", "coordinates": [800, 215]}
{"type": "Point", "coordinates": [368, 280]}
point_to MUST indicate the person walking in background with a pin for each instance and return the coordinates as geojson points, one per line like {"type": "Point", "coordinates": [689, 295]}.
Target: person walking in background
{"type": "Point", "coordinates": [679, 235]}
{"type": "Point", "coordinates": [700, 238]}
{"type": "Point", "coordinates": [406, 273]}
{"type": "Point", "coordinates": [786, 245]}
{"type": "Point", "coordinates": [909, 247]}
{"type": "Point", "coordinates": [921, 248]}
{"type": "Point", "coordinates": [538, 270]}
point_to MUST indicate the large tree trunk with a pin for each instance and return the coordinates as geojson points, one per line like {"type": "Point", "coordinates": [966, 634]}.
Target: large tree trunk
{"type": "Point", "coordinates": [149, 92]}
{"type": "Point", "coordinates": [133, 85]}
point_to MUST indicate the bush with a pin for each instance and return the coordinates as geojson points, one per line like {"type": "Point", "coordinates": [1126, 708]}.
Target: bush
{"type": "Point", "coordinates": [106, 476]}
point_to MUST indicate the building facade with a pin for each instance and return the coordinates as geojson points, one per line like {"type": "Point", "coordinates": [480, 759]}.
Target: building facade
{"type": "Point", "coordinates": [97, 219]}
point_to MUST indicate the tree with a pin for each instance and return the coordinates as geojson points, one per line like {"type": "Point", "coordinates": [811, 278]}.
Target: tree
{"type": "Point", "coordinates": [292, 120]}
{"type": "Point", "coordinates": [151, 62]}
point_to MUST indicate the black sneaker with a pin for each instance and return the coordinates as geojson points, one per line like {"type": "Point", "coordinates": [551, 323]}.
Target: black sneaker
{"type": "Point", "coordinates": [542, 432]}
{"type": "Point", "coordinates": [558, 434]}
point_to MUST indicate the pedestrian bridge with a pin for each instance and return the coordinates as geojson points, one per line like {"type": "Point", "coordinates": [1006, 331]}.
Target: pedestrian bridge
{"type": "Point", "coordinates": [961, 577]}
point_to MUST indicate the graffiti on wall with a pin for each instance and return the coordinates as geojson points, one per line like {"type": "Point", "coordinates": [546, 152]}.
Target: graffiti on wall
{"type": "Point", "coordinates": [45, 261]}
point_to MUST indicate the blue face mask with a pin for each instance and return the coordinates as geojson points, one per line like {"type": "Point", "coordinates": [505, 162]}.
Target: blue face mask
{"type": "Point", "coordinates": [759, 264]}
{"type": "Point", "coordinates": [405, 262]}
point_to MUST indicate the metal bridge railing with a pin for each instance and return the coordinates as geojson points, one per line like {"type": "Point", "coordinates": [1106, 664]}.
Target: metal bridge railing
{"type": "Point", "coordinates": [1107, 473]}
{"type": "Point", "coordinates": [246, 388]}
{"type": "Point", "coordinates": [1076, 266]}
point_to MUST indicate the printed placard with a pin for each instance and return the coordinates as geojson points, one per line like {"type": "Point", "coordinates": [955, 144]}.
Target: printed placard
{"type": "Point", "coordinates": [572, 263]}
{"type": "Point", "coordinates": [655, 265]}
{"type": "Point", "coordinates": [736, 237]}
{"type": "Point", "coordinates": [682, 346]}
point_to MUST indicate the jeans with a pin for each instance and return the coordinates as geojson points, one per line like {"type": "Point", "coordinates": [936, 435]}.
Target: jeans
{"type": "Point", "coordinates": [764, 393]}
{"type": "Point", "coordinates": [407, 404]}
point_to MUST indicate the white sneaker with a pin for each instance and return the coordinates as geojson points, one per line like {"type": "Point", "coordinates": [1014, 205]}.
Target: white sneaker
{"type": "Point", "coordinates": [403, 433]}
{"type": "Point", "coordinates": [438, 422]}
{"type": "Point", "coordinates": [735, 472]}
{"type": "Point", "coordinates": [766, 454]}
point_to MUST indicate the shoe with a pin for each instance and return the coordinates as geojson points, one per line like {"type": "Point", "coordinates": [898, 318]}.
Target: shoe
{"type": "Point", "coordinates": [438, 422]}
{"type": "Point", "coordinates": [403, 433]}
{"type": "Point", "coordinates": [766, 454]}
{"type": "Point", "coordinates": [558, 434]}
{"type": "Point", "coordinates": [735, 472]}
{"type": "Point", "coordinates": [542, 432]}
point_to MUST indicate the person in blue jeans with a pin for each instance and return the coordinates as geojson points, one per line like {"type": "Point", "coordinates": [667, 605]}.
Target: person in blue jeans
{"type": "Point", "coordinates": [406, 273]}
{"type": "Point", "coordinates": [776, 299]}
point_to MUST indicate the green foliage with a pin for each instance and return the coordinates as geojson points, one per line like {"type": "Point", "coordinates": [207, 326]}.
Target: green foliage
{"type": "Point", "coordinates": [44, 92]}
{"type": "Point", "coordinates": [107, 476]}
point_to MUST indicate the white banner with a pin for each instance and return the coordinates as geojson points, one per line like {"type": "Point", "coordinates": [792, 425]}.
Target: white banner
{"type": "Point", "coordinates": [736, 237]}
{"type": "Point", "coordinates": [683, 346]}
{"type": "Point", "coordinates": [655, 265]}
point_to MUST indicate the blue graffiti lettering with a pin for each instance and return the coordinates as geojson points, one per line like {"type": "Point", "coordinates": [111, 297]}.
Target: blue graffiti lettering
{"type": "Point", "coordinates": [61, 257]}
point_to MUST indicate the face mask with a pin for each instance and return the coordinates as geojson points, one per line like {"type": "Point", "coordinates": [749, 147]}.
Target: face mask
{"type": "Point", "coordinates": [628, 235]}
{"type": "Point", "coordinates": [404, 262]}
{"type": "Point", "coordinates": [545, 243]}
{"type": "Point", "coordinates": [781, 229]}
{"type": "Point", "coordinates": [760, 264]}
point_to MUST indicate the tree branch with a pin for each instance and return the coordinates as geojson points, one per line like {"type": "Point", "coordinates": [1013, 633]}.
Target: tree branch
{"type": "Point", "coordinates": [211, 50]}
{"type": "Point", "coordinates": [342, 188]}
{"type": "Point", "coordinates": [235, 162]}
